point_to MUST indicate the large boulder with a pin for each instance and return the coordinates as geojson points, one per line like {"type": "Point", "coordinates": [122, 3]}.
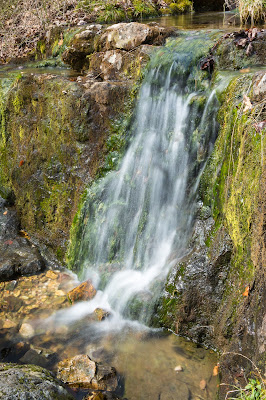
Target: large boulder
{"type": "Point", "coordinates": [128, 36]}
{"type": "Point", "coordinates": [28, 382]}
{"type": "Point", "coordinates": [81, 371]}
{"type": "Point", "coordinates": [119, 65]}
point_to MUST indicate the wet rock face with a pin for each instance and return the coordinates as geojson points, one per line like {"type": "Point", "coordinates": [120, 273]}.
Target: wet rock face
{"type": "Point", "coordinates": [18, 256]}
{"type": "Point", "coordinates": [200, 275]}
{"type": "Point", "coordinates": [27, 382]}
{"type": "Point", "coordinates": [81, 371]}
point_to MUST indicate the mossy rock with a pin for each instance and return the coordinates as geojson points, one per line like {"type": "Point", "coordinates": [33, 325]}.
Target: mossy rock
{"type": "Point", "coordinates": [30, 382]}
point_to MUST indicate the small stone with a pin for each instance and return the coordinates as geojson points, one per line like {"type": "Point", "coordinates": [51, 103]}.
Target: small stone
{"type": "Point", "coordinates": [51, 274]}
{"type": "Point", "coordinates": [9, 324]}
{"type": "Point", "coordinates": [178, 368]}
{"type": "Point", "coordinates": [26, 330]}
{"type": "Point", "coordinates": [203, 384]}
{"type": "Point", "coordinates": [101, 314]}
{"type": "Point", "coordinates": [59, 293]}
{"type": "Point", "coordinates": [85, 291]}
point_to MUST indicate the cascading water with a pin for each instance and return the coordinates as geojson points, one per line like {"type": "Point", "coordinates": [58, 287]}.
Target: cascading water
{"type": "Point", "coordinates": [136, 221]}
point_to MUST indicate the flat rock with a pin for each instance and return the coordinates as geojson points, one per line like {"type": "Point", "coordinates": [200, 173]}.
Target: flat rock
{"type": "Point", "coordinates": [128, 36]}
{"type": "Point", "coordinates": [28, 382]}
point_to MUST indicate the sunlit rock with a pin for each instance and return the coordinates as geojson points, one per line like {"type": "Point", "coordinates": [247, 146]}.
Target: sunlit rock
{"type": "Point", "coordinates": [85, 291]}
{"type": "Point", "coordinates": [128, 36]}
{"type": "Point", "coordinates": [81, 371]}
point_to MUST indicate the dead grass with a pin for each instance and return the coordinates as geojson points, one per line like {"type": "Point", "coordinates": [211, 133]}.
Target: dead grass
{"type": "Point", "coordinates": [249, 10]}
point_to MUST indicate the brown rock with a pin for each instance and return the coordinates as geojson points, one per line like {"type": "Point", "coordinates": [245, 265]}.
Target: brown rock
{"type": "Point", "coordinates": [85, 291]}
{"type": "Point", "coordinates": [81, 371]}
{"type": "Point", "coordinates": [101, 314]}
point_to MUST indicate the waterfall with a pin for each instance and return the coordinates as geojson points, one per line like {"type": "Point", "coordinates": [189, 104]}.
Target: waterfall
{"type": "Point", "coordinates": [136, 221]}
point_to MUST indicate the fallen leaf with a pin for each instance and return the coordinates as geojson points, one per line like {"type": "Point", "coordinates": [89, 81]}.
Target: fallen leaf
{"type": "Point", "coordinates": [8, 242]}
{"type": "Point", "coordinates": [203, 384]}
{"type": "Point", "coordinates": [244, 70]}
{"type": "Point", "coordinates": [21, 163]}
{"type": "Point", "coordinates": [215, 371]}
{"type": "Point", "coordinates": [5, 213]}
{"type": "Point", "coordinates": [246, 292]}
{"type": "Point", "coordinates": [24, 234]}
{"type": "Point", "coordinates": [247, 103]}
{"type": "Point", "coordinates": [61, 41]}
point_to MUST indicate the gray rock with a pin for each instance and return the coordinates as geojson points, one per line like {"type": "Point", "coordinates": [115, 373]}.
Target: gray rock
{"type": "Point", "coordinates": [28, 382]}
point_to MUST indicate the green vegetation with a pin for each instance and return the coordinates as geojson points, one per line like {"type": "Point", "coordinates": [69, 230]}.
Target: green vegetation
{"type": "Point", "coordinates": [252, 391]}
{"type": "Point", "coordinates": [180, 7]}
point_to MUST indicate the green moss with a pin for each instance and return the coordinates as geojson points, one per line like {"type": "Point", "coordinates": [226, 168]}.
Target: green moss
{"type": "Point", "coordinates": [230, 186]}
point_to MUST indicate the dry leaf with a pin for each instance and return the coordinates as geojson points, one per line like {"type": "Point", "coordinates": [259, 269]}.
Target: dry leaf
{"type": "Point", "coordinates": [24, 234]}
{"type": "Point", "coordinates": [203, 384]}
{"type": "Point", "coordinates": [61, 41]}
{"type": "Point", "coordinates": [247, 103]}
{"type": "Point", "coordinates": [246, 292]}
{"type": "Point", "coordinates": [244, 70]}
{"type": "Point", "coordinates": [215, 371]}
{"type": "Point", "coordinates": [249, 50]}
{"type": "Point", "coordinates": [5, 213]}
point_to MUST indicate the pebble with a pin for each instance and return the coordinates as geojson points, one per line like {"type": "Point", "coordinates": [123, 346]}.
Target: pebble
{"type": "Point", "coordinates": [26, 330]}
{"type": "Point", "coordinates": [203, 384]}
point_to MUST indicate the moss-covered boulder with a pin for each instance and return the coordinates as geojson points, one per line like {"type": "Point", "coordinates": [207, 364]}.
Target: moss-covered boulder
{"type": "Point", "coordinates": [31, 383]}
{"type": "Point", "coordinates": [81, 46]}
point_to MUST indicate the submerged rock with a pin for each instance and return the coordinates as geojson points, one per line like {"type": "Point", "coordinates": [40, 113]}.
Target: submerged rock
{"type": "Point", "coordinates": [81, 371]}
{"type": "Point", "coordinates": [85, 291]}
{"type": "Point", "coordinates": [101, 396]}
{"type": "Point", "coordinates": [28, 382]}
